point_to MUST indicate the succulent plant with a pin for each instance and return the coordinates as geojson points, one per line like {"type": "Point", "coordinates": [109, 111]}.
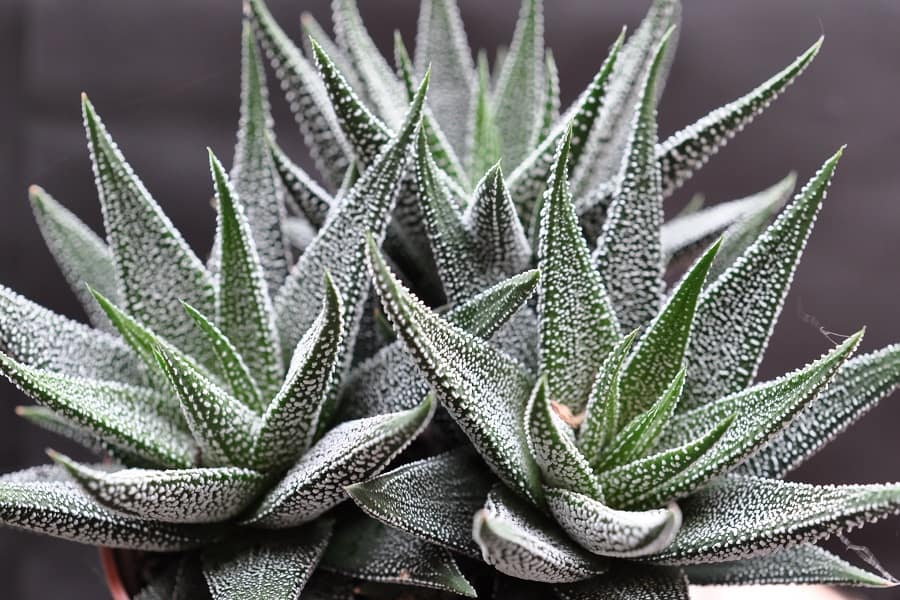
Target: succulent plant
{"type": "Point", "coordinates": [606, 439]}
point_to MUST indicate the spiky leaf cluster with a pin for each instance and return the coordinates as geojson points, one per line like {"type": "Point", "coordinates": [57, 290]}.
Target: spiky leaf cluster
{"type": "Point", "coordinates": [475, 266]}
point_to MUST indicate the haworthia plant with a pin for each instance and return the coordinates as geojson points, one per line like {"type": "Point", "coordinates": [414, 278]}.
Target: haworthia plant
{"type": "Point", "coordinates": [472, 382]}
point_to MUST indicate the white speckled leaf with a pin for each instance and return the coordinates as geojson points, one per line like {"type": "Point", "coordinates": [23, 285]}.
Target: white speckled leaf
{"type": "Point", "coordinates": [40, 338]}
{"type": "Point", "coordinates": [220, 424]}
{"type": "Point", "coordinates": [737, 312]}
{"type": "Point", "coordinates": [742, 220]}
{"type": "Point", "coordinates": [484, 390]}
{"type": "Point", "coordinates": [46, 502]}
{"type": "Point", "coordinates": [441, 150]}
{"type": "Point", "coordinates": [687, 150]}
{"type": "Point", "coordinates": [607, 146]}
{"type": "Point", "coordinates": [255, 178]}
{"type": "Point", "coordinates": [519, 541]}
{"type": "Point", "coordinates": [527, 181]}
{"type": "Point", "coordinates": [243, 307]}
{"type": "Point", "coordinates": [552, 445]}
{"type": "Point", "coordinates": [491, 218]}
{"type": "Point", "coordinates": [742, 517]}
{"type": "Point", "coordinates": [55, 423]}
{"type": "Point", "coordinates": [628, 252]}
{"type": "Point", "coordinates": [550, 104]}
{"type": "Point", "coordinates": [803, 564]}
{"type": "Point", "coordinates": [627, 582]}
{"type": "Point", "coordinates": [603, 410]}
{"type": "Point", "coordinates": [276, 567]}
{"type": "Point", "coordinates": [155, 267]}
{"type": "Point", "coordinates": [382, 87]}
{"type": "Point", "coordinates": [577, 325]}
{"type": "Point", "coordinates": [170, 496]}
{"type": "Point", "coordinates": [609, 532]}
{"type": "Point", "coordinates": [349, 453]}
{"type": "Point", "coordinates": [305, 196]}
{"type": "Point", "coordinates": [289, 423]}
{"type": "Point", "coordinates": [82, 256]}
{"type": "Point", "coordinates": [857, 386]}
{"type": "Point", "coordinates": [640, 433]}
{"type": "Point", "coordinates": [759, 413]}
{"type": "Point", "coordinates": [391, 381]}
{"type": "Point", "coordinates": [628, 485]}
{"type": "Point", "coordinates": [441, 42]}
{"type": "Point", "coordinates": [232, 366]}
{"type": "Point", "coordinates": [519, 91]}
{"type": "Point", "coordinates": [660, 352]}
{"type": "Point", "coordinates": [305, 95]}
{"type": "Point", "coordinates": [133, 418]}
{"type": "Point", "coordinates": [339, 246]}
{"type": "Point", "coordinates": [364, 548]}
{"type": "Point", "coordinates": [483, 137]}
{"type": "Point", "coordinates": [433, 499]}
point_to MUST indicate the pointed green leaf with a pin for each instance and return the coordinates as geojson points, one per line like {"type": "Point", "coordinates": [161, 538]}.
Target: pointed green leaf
{"type": "Point", "coordinates": [627, 486]}
{"type": "Point", "coordinates": [82, 256]}
{"type": "Point", "coordinates": [660, 352]}
{"type": "Point", "coordinates": [628, 251]}
{"type": "Point", "coordinates": [244, 309]}
{"type": "Point", "coordinates": [381, 84]}
{"type": "Point", "coordinates": [289, 423]}
{"type": "Point", "coordinates": [221, 425]}
{"type": "Point", "coordinates": [305, 95]}
{"type": "Point", "coordinates": [46, 502]}
{"type": "Point", "coordinates": [803, 564]}
{"type": "Point", "coordinates": [452, 245]}
{"type": "Point", "coordinates": [305, 196]}
{"type": "Point", "coordinates": [577, 323]}
{"type": "Point", "coordinates": [272, 568]}
{"type": "Point", "coordinates": [859, 384]}
{"type": "Point", "coordinates": [759, 413]}
{"type": "Point", "coordinates": [433, 499]}
{"type": "Point", "coordinates": [742, 517]}
{"type": "Point", "coordinates": [552, 445]}
{"type": "Point", "coordinates": [550, 105]}
{"type": "Point", "coordinates": [689, 149]}
{"type": "Point", "coordinates": [737, 312]}
{"type": "Point", "coordinates": [364, 548]}
{"type": "Point", "coordinates": [338, 247]}
{"type": "Point", "coordinates": [314, 31]}
{"type": "Point", "coordinates": [529, 178]}
{"type": "Point", "coordinates": [154, 265]}
{"type": "Point", "coordinates": [609, 532]}
{"type": "Point", "coordinates": [603, 410]}
{"type": "Point", "coordinates": [255, 178]}
{"type": "Point", "coordinates": [629, 582]}
{"type": "Point", "coordinates": [351, 452]}
{"type": "Point", "coordinates": [55, 423]}
{"type": "Point", "coordinates": [171, 496]}
{"type": "Point", "coordinates": [391, 381]}
{"type": "Point", "coordinates": [491, 218]}
{"type": "Point", "coordinates": [133, 418]}
{"type": "Point", "coordinates": [483, 136]}
{"type": "Point", "coordinates": [607, 146]}
{"type": "Point", "coordinates": [742, 220]}
{"type": "Point", "coordinates": [642, 432]}
{"type": "Point", "coordinates": [517, 99]}
{"type": "Point", "coordinates": [232, 365]}
{"type": "Point", "coordinates": [441, 42]}
{"type": "Point", "coordinates": [40, 338]}
{"type": "Point", "coordinates": [520, 541]}
{"type": "Point", "coordinates": [484, 390]}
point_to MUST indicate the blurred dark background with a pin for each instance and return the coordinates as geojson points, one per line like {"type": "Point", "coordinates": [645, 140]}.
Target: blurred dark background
{"type": "Point", "coordinates": [164, 75]}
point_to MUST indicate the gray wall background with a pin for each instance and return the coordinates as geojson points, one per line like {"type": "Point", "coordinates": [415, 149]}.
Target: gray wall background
{"type": "Point", "coordinates": [164, 75]}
